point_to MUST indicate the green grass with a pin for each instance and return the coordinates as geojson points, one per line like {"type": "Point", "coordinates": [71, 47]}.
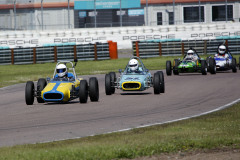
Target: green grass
{"type": "Point", "coordinates": [13, 74]}
{"type": "Point", "coordinates": [214, 131]}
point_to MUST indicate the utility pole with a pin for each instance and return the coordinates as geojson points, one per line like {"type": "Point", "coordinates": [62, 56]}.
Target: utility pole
{"type": "Point", "coordinates": [42, 12]}
{"type": "Point", "coordinates": [226, 16]}
{"type": "Point", "coordinates": [147, 12]}
{"type": "Point", "coordinates": [121, 13]}
{"type": "Point", "coordinates": [173, 11]}
{"type": "Point", "coordinates": [95, 16]}
{"type": "Point", "coordinates": [68, 15]}
{"type": "Point", "coordinates": [199, 11]}
{"type": "Point", "coordinates": [15, 20]}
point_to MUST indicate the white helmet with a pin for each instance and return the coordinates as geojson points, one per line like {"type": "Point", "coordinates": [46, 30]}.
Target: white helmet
{"type": "Point", "coordinates": [190, 53]}
{"type": "Point", "coordinates": [133, 64]}
{"type": "Point", "coordinates": [221, 49]}
{"type": "Point", "coordinates": [61, 70]}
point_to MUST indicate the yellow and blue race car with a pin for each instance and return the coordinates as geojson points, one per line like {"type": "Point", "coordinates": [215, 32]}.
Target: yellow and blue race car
{"type": "Point", "coordinates": [62, 89]}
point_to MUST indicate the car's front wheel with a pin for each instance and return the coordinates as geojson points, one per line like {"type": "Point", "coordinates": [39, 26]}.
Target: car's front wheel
{"type": "Point", "coordinates": [156, 83]}
{"type": "Point", "coordinates": [204, 67]}
{"type": "Point", "coordinates": [212, 66]}
{"type": "Point", "coordinates": [83, 91]}
{"type": "Point", "coordinates": [234, 65]}
{"type": "Point", "coordinates": [175, 67]}
{"type": "Point", "coordinates": [113, 79]}
{"type": "Point", "coordinates": [29, 93]}
{"type": "Point", "coordinates": [168, 68]}
{"type": "Point", "coordinates": [93, 89]}
{"type": "Point", "coordinates": [108, 84]}
{"type": "Point", "coordinates": [41, 84]}
{"type": "Point", "coordinates": [162, 83]}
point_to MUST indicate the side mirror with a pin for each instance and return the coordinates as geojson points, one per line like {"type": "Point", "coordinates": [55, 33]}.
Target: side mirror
{"type": "Point", "coordinates": [147, 70]}
{"type": "Point", "coordinates": [48, 79]}
{"type": "Point", "coordinates": [120, 71]}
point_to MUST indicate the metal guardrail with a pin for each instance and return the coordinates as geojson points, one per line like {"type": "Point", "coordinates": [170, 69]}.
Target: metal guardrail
{"type": "Point", "coordinates": [97, 51]}
{"type": "Point", "coordinates": [156, 48]}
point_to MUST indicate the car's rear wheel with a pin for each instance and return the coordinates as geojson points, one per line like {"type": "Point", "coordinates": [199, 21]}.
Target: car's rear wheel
{"type": "Point", "coordinates": [156, 83]}
{"type": "Point", "coordinates": [208, 66]}
{"type": "Point", "coordinates": [212, 66]}
{"type": "Point", "coordinates": [162, 83]}
{"type": "Point", "coordinates": [83, 91]}
{"type": "Point", "coordinates": [108, 84]}
{"type": "Point", "coordinates": [234, 65]}
{"type": "Point", "coordinates": [175, 67]}
{"type": "Point", "coordinates": [113, 79]}
{"type": "Point", "coordinates": [93, 89]}
{"type": "Point", "coordinates": [204, 67]}
{"type": "Point", "coordinates": [239, 63]}
{"type": "Point", "coordinates": [29, 93]}
{"type": "Point", "coordinates": [168, 68]}
{"type": "Point", "coordinates": [41, 84]}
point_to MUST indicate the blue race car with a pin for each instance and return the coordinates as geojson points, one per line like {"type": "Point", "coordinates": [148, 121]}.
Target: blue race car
{"type": "Point", "coordinates": [135, 77]}
{"type": "Point", "coordinates": [62, 89]}
{"type": "Point", "coordinates": [224, 61]}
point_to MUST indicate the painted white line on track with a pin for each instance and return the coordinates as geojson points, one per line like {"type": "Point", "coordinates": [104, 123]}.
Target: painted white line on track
{"type": "Point", "coordinates": [153, 124]}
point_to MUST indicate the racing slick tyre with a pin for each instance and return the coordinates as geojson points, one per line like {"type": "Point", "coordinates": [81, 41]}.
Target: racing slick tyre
{"type": "Point", "coordinates": [83, 91]}
{"type": "Point", "coordinates": [156, 83]}
{"type": "Point", "coordinates": [29, 93]}
{"type": "Point", "coordinates": [212, 66]}
{"type": "Point", "coordinates": [93, 89]}
{"type": "Point", "coordinates": [41, 84]}
{"type": "Point", "coordinates": [168, 68]}
{"type": "Point", "coordinates": [239, 63]}
{"type": "Point", "coordinates": [207, 60]}
{"type": "Point", "coordinates": [113, 79]}
{"type": "Point", "coordinates": [162, 83]}
{"type": "Point", "coordinates": [108, 84]}
{"type": "Point", "coordinates": [234, 65]}
{"type": "Point", "coordinates": [175, 67]}
{"type": "Point", "coordinates": [204, 67]}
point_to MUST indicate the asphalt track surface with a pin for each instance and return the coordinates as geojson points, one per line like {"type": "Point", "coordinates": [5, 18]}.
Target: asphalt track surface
{"type": "Point", "coordinates": [186, 95]}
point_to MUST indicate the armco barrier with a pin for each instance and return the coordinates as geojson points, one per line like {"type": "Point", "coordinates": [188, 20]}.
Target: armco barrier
{"type": "Point", "coordinates": [171, 47]}
{"type": "Point", "coordinates": [97, 51]}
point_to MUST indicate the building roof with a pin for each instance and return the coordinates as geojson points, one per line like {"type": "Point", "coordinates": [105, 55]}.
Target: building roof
{"type": "Point", "coordinates": [65, 4]}
{"type": "Point", "coordinates": [180, 1]}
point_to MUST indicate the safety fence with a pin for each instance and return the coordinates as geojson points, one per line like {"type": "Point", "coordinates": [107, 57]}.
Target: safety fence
{"type": "Point", "coordinates": [97, 51]}
{"type": "Point", "coordinates": [171, 47]}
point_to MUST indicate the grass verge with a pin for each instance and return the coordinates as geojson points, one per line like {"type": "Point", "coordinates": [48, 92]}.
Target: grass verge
{"type": "Point", "coordinates": [214, 131]}
{"type": "Point", "coordinates": [13, 74]}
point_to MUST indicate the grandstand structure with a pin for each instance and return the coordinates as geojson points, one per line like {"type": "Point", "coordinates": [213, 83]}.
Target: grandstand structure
{"type": "Point", "coordinates": [72, 14]}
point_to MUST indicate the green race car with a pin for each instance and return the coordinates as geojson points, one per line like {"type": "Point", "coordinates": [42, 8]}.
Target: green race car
{"type": "Point", "coordinates": [191, 63]}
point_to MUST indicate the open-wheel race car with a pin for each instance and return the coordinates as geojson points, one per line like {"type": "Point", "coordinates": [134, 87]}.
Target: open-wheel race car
{"type": "Point", "coordinates": [63, 87]}
{"type": "Point", "coordinates": [135, 77]}
{"type": "Point", "coordinates": [224, 59]}
{"type": "Point", "coordinates": [190, 63]}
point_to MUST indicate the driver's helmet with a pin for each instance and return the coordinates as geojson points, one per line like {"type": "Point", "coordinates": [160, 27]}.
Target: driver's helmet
{"type": "Point", "coordinates": [61, 70]}
{"type": "Point", "coordinates": [222, 49]}
{"type": "Point", "coordinates": [133, 64]}
{"type": "Point", "coordinates": [190, 53]}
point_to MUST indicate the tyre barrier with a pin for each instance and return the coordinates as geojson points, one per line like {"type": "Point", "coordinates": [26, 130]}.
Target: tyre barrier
{"type": "Point", "coordinates": [171, 47]}
{"type": "Point", "coordinates": [97, 51]}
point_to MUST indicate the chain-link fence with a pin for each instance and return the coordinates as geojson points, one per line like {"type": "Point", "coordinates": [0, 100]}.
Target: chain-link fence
{"type": "Point", "coordinates": [62, 14]}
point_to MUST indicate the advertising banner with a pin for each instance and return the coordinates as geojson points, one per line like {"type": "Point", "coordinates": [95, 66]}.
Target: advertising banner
{"type": "Point", "coordinates": [135, 12]}
{"type": "Point", "coordinates": [106, 4]}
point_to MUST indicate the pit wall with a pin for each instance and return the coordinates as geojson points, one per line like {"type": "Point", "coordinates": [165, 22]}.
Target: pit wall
{"type": "Point", "coordinates": [123, 36]}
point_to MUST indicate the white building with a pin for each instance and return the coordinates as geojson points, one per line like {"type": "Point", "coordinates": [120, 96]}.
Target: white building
{"type": "Point", "coordinates": [56, 15]}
